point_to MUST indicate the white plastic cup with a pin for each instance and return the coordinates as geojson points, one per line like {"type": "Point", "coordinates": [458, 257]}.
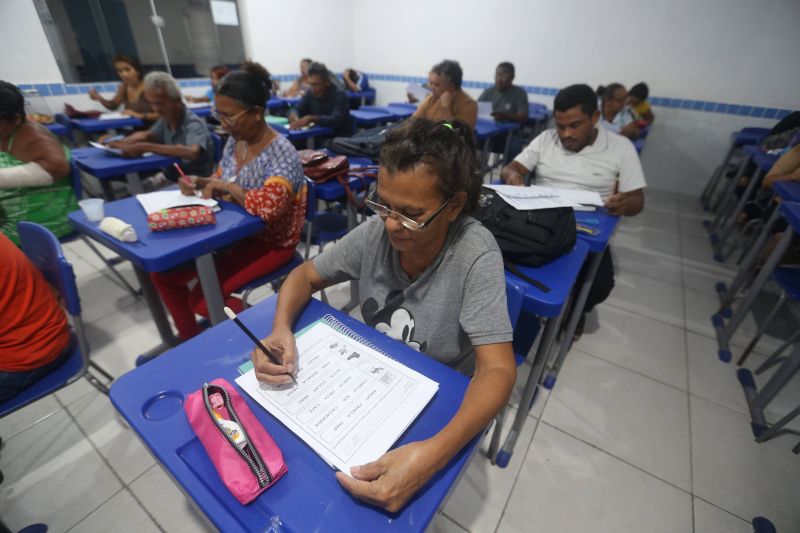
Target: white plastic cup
{"type": "Point", "coordinates": [93, 208]}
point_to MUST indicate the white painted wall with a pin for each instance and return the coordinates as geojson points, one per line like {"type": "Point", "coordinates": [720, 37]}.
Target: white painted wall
{"type": "Point", "coordinates": [26, 56]}
{"type": "Point", "coordinates": [732, 51]}
{"type": "Point", "coordinates": [278, 34]}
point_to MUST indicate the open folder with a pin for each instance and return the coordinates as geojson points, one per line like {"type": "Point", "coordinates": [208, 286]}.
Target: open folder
{"type": "Point", "coordinates": [351, 402]}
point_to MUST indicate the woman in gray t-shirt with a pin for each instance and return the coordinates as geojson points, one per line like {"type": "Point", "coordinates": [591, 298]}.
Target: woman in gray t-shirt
{"type": "Point", "coordinates": [430, 276]}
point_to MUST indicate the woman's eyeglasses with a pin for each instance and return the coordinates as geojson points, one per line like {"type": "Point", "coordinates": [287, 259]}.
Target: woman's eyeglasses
{"type": "Point", "coordinates": [225, 120]}
{"type": "Point", "coordinates": [384, 212]}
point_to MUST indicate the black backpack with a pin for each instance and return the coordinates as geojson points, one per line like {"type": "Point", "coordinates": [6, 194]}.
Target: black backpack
{"type": "Point", "coordinates": [365, 143]}
{"type": "Point", "coordinates": [529, 238]}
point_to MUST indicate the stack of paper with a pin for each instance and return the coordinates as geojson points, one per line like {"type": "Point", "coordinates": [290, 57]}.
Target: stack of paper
{"type": "Point", "coordinates": [154, 202]}
{"type": "Point", "coordinates": [114, 115]}
{"type": "Point", "coordinates": [536, 197]}
{"type": "Point", "coordinates": [485, 110]}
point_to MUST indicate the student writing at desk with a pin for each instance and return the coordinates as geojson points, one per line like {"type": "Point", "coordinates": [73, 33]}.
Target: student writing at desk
{"type": "Point", "coordinates": [578, 154]}
{"type": "Point", "coordinates": [615, 115]}
{"type": "Point", "coordinates": [130, 93]}
{"type": "Point", "coordinates": [324, 104]}
{"type": "Point", "coordinates": [430, 276]}
{"type": "Point", "coordinates": [447, 101]}
{"type": "Point", "coordinates": [217, 73]}
{"type": "Point", "coordinates": [261, 171]}
{"type": "Point", "coordinates": [299, 86]}
{"type": "Point", "coordinates": [34, 171]}
{"type": "Point", "coordinates": [509, 104]}
{"type": "Point", "coordinates": [177, 133]}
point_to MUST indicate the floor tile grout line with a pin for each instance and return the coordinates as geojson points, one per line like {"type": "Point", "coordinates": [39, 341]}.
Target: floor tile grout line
{"type": "Point", "coordinates": [623, 367]}
{"type": "Point", "coordinates": [688, 389]}
{"type": "Point", "coordinates": [525, 456]}
{"type": "Point", "coordinates": [76, 524]}
{"type": "Point", "coordinates": [726, 511]}
{"type": "Point", "coordinates": [113, 471]}
{"type": "Point", "coordinates": [620, 459]}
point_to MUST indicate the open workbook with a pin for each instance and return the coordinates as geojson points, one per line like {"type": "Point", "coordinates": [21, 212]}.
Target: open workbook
{"type": "Point", "coordinates": [351, 402]}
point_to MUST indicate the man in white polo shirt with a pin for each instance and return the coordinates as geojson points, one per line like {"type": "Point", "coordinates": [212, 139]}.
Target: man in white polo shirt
{"type": "Point", "coordinates": [579, 155]}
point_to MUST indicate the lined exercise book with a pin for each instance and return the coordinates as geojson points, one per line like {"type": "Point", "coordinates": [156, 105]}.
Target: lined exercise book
{"type": "Point", "coordinates": [351, 402]}
{"type": "Point", "coordinates": [152, 202]}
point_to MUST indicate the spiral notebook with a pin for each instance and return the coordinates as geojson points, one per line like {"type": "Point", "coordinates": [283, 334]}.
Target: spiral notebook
{"type": "Point", "coordinates": [352, 401]}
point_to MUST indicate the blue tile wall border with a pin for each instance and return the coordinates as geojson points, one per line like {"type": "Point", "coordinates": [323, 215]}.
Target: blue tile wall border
{"type": "Point", "coordinates": [63, 89]}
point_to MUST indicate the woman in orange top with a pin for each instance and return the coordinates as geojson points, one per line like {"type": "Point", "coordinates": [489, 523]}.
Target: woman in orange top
{"type": "Point", "coordinates": [34, 333]}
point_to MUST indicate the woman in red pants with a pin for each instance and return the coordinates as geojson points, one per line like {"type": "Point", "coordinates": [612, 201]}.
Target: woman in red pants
{"type": "Point", "coordinates": [260, 171]}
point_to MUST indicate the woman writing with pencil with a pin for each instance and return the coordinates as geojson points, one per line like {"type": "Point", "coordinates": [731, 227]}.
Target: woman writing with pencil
{"type": "Point", "coordinates": [260, 171]}
{"type": "Point", "coordinates": [428, 275]}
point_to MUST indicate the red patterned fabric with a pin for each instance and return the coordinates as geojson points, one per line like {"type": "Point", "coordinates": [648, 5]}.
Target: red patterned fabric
{"type": "Point", "coordinates": [283, 211]}
{"type": "Point", "coordinates": [181, 217]}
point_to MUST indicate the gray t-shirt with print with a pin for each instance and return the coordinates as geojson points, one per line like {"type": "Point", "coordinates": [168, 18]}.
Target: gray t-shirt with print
{"type": "Point", "coordinates": [457, 303]}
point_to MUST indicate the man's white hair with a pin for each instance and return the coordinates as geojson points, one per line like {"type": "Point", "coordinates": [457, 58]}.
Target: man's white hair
{"type": "Point", "coordinates": [163, 82]}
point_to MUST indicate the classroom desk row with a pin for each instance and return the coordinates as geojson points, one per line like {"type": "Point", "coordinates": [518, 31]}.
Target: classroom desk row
{"type": "Point", "coordinates": [308, 498]}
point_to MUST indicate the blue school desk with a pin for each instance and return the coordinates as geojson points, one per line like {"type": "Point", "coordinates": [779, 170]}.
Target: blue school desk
{"type": "Point", "coordinates": [308, 497]}
{"type": "Point", "coordinates": [787, 190]}
{"type": "Point", "coordinates": [400, 111]}
{"type": "Point", "coordinates": [92, 125]}
{"type": "Point", "coordinates": [374, 116]}
{"type": "Point", "coordinates": [745, 137]}
{"type": "Point", "coordinates": [162, 250]}
{"type": "Point", "coordinates": [59, 130]}
{"type": "Point", "coordinates": [308, 134]}
{"type": "Point", "coordinates": [486, 131]}
{"type": "Point", "coordinates": [105, 166]}
{"type": "Point", "coordinates": [366, 96]}
{"type": "Point", "coordinates": [605, 225]}
{"type": "Point", "coordinates": [559, 276]}
{"type": "Point", "coordinates": [790, 211]}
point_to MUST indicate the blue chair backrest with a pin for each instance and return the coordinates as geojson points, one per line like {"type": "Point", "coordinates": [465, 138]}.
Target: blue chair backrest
{"type": "Point", "coordinates": [217, 147]}
{"type": "Point", "coordinates": [515, 296]}
{"type": "Point", "coordinates": [311, 196]}
{"type": "Point", "coordinates": [44, 251]}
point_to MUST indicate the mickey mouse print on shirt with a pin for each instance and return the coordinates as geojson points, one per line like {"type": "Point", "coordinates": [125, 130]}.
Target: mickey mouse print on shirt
{"type": "Point", "coordinates": [395, 321]}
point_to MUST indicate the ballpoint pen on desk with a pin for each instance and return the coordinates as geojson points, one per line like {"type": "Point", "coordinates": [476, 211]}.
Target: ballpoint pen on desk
{"type": "Point", "coordinates": [270, 355]}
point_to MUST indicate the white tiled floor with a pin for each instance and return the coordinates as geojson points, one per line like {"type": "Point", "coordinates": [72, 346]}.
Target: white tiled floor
{"type": "Point", "coordinates": [645, 431]}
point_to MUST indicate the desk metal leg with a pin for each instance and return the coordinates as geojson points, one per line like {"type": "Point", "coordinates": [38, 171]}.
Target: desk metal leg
{"type": "Point", "coordinates": [525, 403]}
{"type": "Point", "coordinates": [758, 401]}
{"type": "Point", "coordinates": [575, 316]}
{"type": "Point", "coordinates": [724, 333]}
{"type": "Point", "coordinates": [487, 144]}
{"type": "Point", "coordinates": [168, 339]}
{"type": "Point", "coordinates": [212, 292]}
{"type": "Point", "coordinates": [108, 190]}
{"type": "Point", "coordinates": [728, 294]}
{"type": "Point", "coordinates": [729, 225]}
{"type": "Point", "coordinates": [716, 178]}
{"type": "Point", "coordinates": [134, 183]}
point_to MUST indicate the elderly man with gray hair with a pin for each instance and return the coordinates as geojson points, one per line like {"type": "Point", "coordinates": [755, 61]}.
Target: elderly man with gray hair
{"type": "Point", "coordinates": [177, 133]}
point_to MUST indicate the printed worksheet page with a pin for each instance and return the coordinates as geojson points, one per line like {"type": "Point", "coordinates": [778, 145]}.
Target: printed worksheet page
{"type": "Point", "coordinates": [351, 403]}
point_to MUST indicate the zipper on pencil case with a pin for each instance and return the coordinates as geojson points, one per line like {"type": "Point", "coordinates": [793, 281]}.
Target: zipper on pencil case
{"type": "Point", "coordinates": [248, 453]}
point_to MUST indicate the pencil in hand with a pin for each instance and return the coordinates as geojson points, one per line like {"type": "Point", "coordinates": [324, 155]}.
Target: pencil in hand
{"type": "Point", "coordinates": [229, 312]}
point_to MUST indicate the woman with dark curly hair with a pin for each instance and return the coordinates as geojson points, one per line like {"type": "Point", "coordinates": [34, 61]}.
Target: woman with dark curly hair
{"type": "Point", "coordinates": [429, 275]}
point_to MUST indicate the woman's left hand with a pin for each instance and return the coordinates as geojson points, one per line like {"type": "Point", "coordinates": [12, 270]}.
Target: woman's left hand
{"type": "Point", "coordinates": [394, 478]}
{"type": "Point", "coordinates": [214, 187]}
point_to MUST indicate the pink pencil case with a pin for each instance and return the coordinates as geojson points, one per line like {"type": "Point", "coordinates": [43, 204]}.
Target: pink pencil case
{"type": "Point", "coordinates": [244, 454]}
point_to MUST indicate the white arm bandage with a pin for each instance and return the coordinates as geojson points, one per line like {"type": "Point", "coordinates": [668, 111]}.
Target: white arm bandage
{"type": "Point", "coordinates": [27, 175]}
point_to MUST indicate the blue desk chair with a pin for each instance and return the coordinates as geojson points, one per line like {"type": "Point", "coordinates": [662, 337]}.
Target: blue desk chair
{"type": "Point", "coordinates": [217, 147]}
{"type": "Point", "coordinates": [320, 229]}
{"type": "Point", "coordinates": [44, 250]}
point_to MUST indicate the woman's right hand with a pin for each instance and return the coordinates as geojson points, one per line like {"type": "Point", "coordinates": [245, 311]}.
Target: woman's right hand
{"type": "Point", "coordinates": [94, 95]}
{"type": "Point", "coordinates": [282, 344]}
{"type": "Point", "coordinates": [187, 185]}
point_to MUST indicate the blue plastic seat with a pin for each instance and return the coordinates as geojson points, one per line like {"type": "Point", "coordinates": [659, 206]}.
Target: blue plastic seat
{"type": "Point", "coordinates": [41, 246]}
{"type": "Point", "coordinates": [320, 228]}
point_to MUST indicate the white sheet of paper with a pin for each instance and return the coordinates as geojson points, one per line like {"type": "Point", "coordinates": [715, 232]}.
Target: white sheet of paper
{"type": "Point", "coordinates": [114, 115]}
{"type": "Point", "coordinates": [351, 403]}
{"type": "Point", "coordinates": [536, 197]}
{"type": "Point", "coordinates": [197, 105]}
{"type": "Point", "coordinates": [485, 109]}
{"type": "Point", "coordinates": [153, 202]}
{"type": "Point", "coordinates": [417, 91]}
{"type": "Point", "coordinates": [105, 148]}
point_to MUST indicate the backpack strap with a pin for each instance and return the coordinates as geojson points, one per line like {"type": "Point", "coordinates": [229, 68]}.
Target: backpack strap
{"type": "Point", "coordinates": [517, 272]}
